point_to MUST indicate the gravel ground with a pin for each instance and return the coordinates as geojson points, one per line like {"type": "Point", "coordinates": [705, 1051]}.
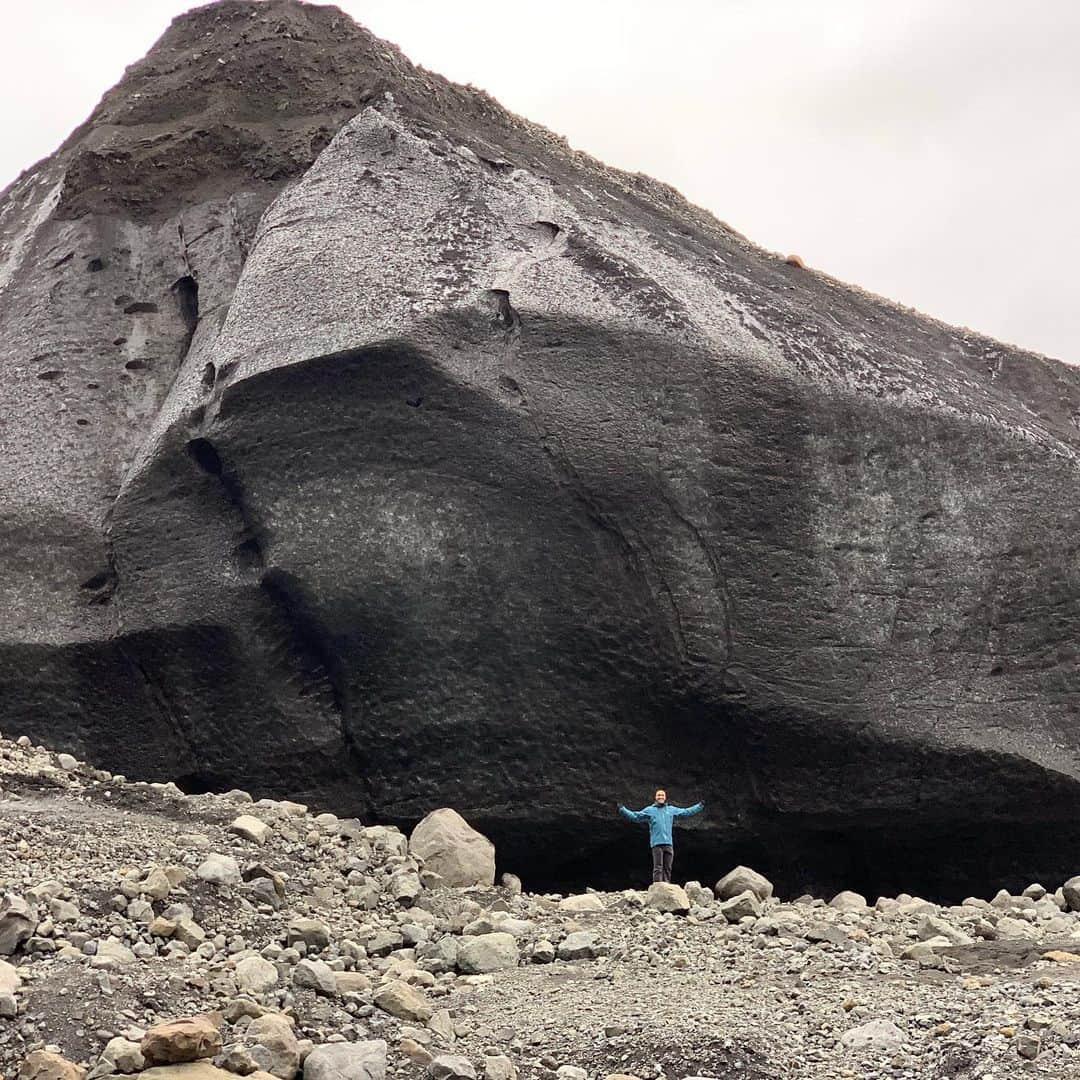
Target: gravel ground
{"type": "Point", "coordinates": [767, 990]}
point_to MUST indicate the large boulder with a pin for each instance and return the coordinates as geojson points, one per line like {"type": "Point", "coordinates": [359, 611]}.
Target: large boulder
{"type": "Point", "coordinates": [579, 945]}
{"type": "Point", "coordinates": [17, 923]}
{"type": "Point", "coordinates": [271, 1042]}
{"type": "Point", "coordinates": [874, 1035]}
{"type": "Point", "coordinates": [47, 1065]}
{"type": "Point", "coordinates": [112, 955]}
{"type": "Point", "coordinates": [254, 975]}
{"type": "Point", "coordinates": [10, 979]}
{"type": "Point", "coordinates": [314, 934]}
{"type": "Point", "coordinates": [123, 1055]}
{"type": "Point", "coordinates": [453, 849]}
{"type": "Point", "coordinates": [316, 975]}
{"type": "Point", "coordinates": [177, 1041]}
{"type": "Point", "coordinates": [1070, 890]}
{"type": "Point", "coordinates": [391, 430]}
{"type": "Point", "coordinates": [404, 886]}
{"type": "Point", "coordinates": [347, 1061]}
{"type": "Point", "coordinates": [439, 956]}
{"type": "Point", "coordinates": [743, 879]}
{"type": "Point", "coordinates": [482, 953]}
{"type": "Point", "coordinates": [668, 897]}
{"type": "Point", "coordinates": [403, 1001]}
{"type": "Point", "coordinates": [581, 904]}
{"type": "Point", "coordinates": [352, 982]}
{"type": "Point", "coordinates": [451, 1067]}
{"type": "Point", "coordinates": [849, 902]}
{"type": "Point", "coordinates": [249, 827]}
{"type": "Point", "coordinates": [740, 906]}
{"type": "Point", "coordinates": [192, 1070]}
{"type": "Point", "coordinates": [933, 927]}
{"type": "Point", "coordinates": [220, 870]}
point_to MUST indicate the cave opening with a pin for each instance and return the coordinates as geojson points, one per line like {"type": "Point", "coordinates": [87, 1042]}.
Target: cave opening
{"type": "Point", "coordinates": [205, 455]}
{"type": "Point", "coordinates": [186, 291]}
{"type": "Point", "coordinates": [940, 862]}
{"type": "Point", "coordinates": [101, 586]}
{"type": "Point", "coordinates": [203, 783]}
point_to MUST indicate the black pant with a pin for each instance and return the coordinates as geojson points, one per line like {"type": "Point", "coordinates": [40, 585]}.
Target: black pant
{"type": "Point", "coordinates": [662, 857]}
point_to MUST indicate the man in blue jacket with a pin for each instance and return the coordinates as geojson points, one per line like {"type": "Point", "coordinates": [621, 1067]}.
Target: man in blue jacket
{"type": "Point", "coordinates": [660, 816]}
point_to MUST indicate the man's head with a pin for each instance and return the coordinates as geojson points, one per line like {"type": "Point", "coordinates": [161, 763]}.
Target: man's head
{"type": "Point", "coordinates": [661, 796]}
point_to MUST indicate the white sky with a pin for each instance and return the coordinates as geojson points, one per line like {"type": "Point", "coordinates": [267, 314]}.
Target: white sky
{"type": "Point", "coordinates": [928, 150]}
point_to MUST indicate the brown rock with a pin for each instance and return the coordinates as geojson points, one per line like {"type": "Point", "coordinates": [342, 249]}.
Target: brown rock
{"type": "Point", "coordinates": [189, 932]}
{"type": "Point", "coordinates": [416, 1053]}
{"type": "Point", "coordinates": [272, 1043]}
{"type": "Point", "coordinates": [403, 1001]}
{"type": "Point", "coordinates": [242, 1006]}
{"type": "Point", "coordinates": [194, 1070]}
{"type": "Point", "coordinates": [352, 982]}
{"type": "Point", "coordinates": [1060, 956]}
{"type": "Point", "coordinates": [251, 828]}
{"type": "Point", "coordinates": [43, 1065]}
{"type": "Point", "coordinates": [178, 1041]}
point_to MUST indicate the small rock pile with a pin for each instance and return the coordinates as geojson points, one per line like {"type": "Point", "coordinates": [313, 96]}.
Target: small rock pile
{"type": "Point", "coordinates": [147, 932]}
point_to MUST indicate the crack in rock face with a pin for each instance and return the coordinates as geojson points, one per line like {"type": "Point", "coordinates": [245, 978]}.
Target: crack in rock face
{"type": "Point", "coordinates": [401, 457]}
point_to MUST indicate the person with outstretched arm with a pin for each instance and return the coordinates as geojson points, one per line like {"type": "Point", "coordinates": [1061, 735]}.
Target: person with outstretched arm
{"type": "Point", "coordinates": [660, 815]}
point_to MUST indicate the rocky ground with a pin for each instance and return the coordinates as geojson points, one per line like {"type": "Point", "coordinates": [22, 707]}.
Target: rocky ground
{"type": "Point", "coordinates": [190, 937]}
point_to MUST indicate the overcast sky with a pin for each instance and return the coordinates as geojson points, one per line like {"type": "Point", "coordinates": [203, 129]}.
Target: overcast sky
{"type": "Point", "coordinates": [928, 150]}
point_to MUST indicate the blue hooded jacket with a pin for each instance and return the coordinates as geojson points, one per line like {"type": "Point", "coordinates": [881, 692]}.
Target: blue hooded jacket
{"type": "Point", "coordinates": [660, 819]}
